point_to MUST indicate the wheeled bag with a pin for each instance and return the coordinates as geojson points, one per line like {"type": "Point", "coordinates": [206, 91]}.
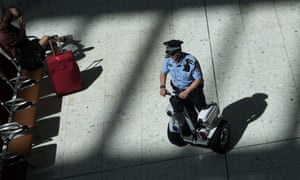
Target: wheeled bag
{"type": "Point", "coordinates": [64, 72]}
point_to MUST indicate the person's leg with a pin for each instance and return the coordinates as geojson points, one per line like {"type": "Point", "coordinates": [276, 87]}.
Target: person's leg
{"type": "Point", "coordinates": [191, 110]}
{"type": "Point", "coordinates": [44, 43]}
{"type": "Point", "coordinates": [197, 97]}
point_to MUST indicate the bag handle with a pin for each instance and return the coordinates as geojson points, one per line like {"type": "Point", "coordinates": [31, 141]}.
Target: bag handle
{"type": "Point", "coordinates": [51, 47]}
{"type": "Point", "coordinates": [54, 52]}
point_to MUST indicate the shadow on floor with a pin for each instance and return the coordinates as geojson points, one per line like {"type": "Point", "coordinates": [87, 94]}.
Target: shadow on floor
{"type": "Point", "coordinates": [242, 112]}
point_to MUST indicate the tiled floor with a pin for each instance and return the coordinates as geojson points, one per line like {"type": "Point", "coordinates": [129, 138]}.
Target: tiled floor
{"type": "Point", "coordinates": [116, 127]}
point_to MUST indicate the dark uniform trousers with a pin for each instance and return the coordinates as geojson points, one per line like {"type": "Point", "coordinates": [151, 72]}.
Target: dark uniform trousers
{"type": "Point", "coordinates": [195, 98]}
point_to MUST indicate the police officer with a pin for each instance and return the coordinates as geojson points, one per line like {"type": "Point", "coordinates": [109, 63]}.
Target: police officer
{"type": "Point", "coordinates": [186, 75]}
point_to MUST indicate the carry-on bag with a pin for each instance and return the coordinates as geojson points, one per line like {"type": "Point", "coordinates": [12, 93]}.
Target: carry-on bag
{"type": "Point", "coordinates": [64, 72]}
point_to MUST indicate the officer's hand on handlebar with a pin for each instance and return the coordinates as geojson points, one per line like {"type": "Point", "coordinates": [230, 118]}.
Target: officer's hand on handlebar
{"type": "Point", "coordinates": [163, 92]}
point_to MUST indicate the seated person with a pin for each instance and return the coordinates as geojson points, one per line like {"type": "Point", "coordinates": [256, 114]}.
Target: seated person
{"type": "Point", "coordinates": [14, 42]}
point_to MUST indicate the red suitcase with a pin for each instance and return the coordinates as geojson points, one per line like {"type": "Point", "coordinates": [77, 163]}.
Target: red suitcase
{"type": "Point", "coordinates": [64, 73]}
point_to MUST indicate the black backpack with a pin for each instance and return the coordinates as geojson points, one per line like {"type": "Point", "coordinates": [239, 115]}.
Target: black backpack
{"type": "Point", "coordinates": [31, 55]}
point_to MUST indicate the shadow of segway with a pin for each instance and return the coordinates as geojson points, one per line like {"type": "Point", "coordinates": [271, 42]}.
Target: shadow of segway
{"type": "Point", "coordinates": [242, 112]}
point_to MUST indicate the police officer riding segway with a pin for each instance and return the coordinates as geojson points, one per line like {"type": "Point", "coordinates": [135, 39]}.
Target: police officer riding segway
{"type": "Point", "coordinates": [187, 78]}
{"type": "Point", "coordinates": [192, 120]}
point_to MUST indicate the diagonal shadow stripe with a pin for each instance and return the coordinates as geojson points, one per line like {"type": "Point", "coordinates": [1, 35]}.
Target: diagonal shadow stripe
{"type": "Point", "coordinates": [160, 23]}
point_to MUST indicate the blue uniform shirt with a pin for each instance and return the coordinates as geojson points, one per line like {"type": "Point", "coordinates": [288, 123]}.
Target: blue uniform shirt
{"type": "Point", "coordinates": [183, 73]}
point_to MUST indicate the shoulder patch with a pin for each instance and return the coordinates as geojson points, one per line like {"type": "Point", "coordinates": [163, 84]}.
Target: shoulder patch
{"type": "Point", "coordinates": [190, 61]}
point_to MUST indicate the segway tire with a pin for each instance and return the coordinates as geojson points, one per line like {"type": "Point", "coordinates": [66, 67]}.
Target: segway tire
{"type": "Point", "coordinates": [220, 141]}
{"type": "Point", "coordinates": [175, 138]}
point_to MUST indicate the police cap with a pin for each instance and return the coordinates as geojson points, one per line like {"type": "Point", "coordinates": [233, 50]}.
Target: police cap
{"type": "Point", "coordinates": [172, 46]}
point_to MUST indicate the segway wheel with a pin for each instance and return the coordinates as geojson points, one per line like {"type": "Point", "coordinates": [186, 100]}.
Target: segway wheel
{"type": "Point", "coordinates": [175, 138]}
{"type": "Point", "coordinates": [220, 141]}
